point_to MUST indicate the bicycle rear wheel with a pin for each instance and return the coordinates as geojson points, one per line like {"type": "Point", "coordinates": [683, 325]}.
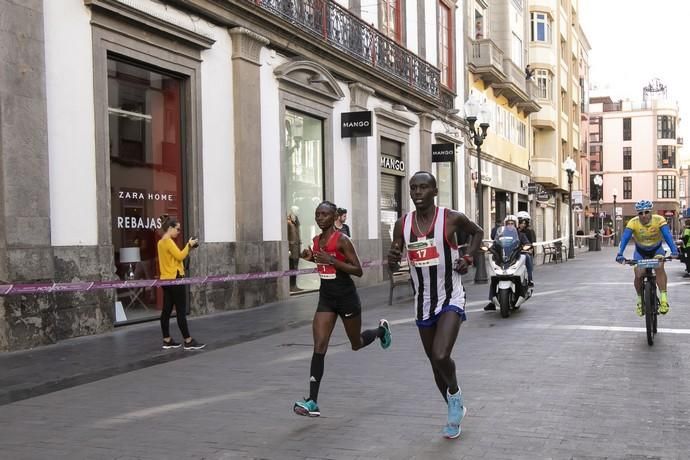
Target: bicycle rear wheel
{"type": "Point", "coordinates": [649, 302]}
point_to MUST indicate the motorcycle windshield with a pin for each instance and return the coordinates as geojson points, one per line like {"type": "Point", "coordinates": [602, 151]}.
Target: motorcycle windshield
{"type": "Point", "coordinates": [507, 240]}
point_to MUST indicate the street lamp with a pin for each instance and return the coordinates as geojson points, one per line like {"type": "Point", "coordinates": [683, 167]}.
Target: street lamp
{"type": "Point", "coordinates": [570, 166]}
{"type": "Point", "coordinates": [478, 112]}
{"type": "Point", "coordinates": [598, 182]}
{"type": "Point", "coordinates": [615, 221]}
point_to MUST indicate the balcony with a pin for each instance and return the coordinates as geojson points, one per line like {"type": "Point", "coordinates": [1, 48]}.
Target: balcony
{"type": "Point", "coordinates": [330, 22]}
{"type": "Point", "coordinates": [486, 61]}
{"type": "Point", "coordinates": [517, 89]}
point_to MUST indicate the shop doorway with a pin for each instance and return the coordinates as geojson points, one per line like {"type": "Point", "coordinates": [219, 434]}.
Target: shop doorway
{"type": "Point", "coordinates": [390, 203]}
{"type": "Point", "coordinates": [145, 113]}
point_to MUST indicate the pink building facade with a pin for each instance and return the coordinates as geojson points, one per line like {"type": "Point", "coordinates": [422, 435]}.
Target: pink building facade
{"type": "Point", "coordinates": [634, 147]}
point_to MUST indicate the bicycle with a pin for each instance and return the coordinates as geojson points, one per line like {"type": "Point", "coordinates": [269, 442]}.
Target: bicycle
{"type": "Point", "coordinates": [650, 301]}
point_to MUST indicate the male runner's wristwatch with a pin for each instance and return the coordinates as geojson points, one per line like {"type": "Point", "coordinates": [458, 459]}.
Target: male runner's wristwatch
{"type": "Point", "coordinates": [469, 260]}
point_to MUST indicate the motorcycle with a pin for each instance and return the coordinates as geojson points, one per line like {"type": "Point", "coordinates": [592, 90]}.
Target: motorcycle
{"type": "Point", "coordinates": [508, 271]}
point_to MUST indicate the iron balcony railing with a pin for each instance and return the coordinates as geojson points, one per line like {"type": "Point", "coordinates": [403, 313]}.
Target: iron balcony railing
{"type": "Point", "coordinates": [331, 22]}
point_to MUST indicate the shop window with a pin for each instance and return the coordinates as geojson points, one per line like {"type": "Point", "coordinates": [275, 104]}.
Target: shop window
{"type": "Point", "coordinates": [303, 166]}
{"type": "Point", "coordinates": [145, 132]}
{"type": "Point", "coordinates": [444, 177]}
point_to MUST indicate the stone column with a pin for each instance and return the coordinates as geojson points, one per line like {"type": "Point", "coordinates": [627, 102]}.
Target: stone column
{"type": "Point", "coordinates": [359, 152]}
{"type": "Point", "coordinates": [425, 120]}
{"type": "Point", "coordinates": [246, 49]}
{"type": "Point", "coordinates": [25, 247]}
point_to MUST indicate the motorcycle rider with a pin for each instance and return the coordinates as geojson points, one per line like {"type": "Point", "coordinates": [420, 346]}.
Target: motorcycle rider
{"type": "Point", "coordinates": [685, 247]}
{"type": "Point", "coordinates": [525, 229]}
{"type": "Point", "coordinates": [509, 221]}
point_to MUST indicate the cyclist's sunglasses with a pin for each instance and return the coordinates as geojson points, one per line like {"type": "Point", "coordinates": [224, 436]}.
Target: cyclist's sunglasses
{"type": "Point", "coordinates": [644, 212]}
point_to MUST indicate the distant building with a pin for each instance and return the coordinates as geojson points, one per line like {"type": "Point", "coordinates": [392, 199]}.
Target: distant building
{"type": "Point", "coordinates": [558, 54]}
{"type": "Point", "coordinates": [497, 62]}
{"type": "Point", "coordinates": [634, 145]}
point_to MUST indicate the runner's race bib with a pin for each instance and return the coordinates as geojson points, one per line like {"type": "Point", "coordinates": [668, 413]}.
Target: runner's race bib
{"type": "Point", "coordinates": [423, 253]}
{"type": "Point", "coordinates": [326, 271]}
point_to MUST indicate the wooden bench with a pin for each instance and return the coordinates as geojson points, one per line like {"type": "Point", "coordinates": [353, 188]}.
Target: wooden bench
{"type": "Point", "coordinates": [400, 277]}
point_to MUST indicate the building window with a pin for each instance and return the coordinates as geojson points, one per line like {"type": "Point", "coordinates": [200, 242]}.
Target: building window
{"type": "Point", "coordinates": [665, 156]}
{"type": "Point", "coordinates": [596, 131]}
{"type": "Point", "coordinates": [445, 48]}
{"type": "Point", "coordinates": [543, 79]}
{"type": "Point", "coordinates": [627, 129]}
{"type": "Point", "coordinates": [665, 127]}
{"type": "Point", "coordinates": [304, 185]}
{"type": "Point", "coordinates": [479, 24]}
{"type": "Point", "coordinates": [681, 191]}
{"type": "Point", "coordinates": [517, 51]}
{"type": "Point", "coordinates": [541, 27]}
{"type": "Point", "coordinates": [596, 153]}
{"type": "Point", "coordinates": [390, 19]}
{"type": "Point", "coordinates": [627, 158]}
{"type": "Point", "coordinates": [666, 186]}
{"type": "Point", "coordinates": [627, 188]}
{"type": "Point", "coordinates": [145, 113]}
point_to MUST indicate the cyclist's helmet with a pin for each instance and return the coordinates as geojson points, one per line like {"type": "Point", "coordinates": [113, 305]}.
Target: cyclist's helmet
{"type": "Point", "coordinates": [523, 215]}
{"type": "Point", "coordinates": [510, 218]}
{"type": "Point", "coordinates": [643, 205]}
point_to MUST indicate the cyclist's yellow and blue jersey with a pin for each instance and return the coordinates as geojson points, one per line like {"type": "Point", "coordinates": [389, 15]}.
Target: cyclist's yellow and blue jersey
{"type": "Point", "coordinates": [648, 238]}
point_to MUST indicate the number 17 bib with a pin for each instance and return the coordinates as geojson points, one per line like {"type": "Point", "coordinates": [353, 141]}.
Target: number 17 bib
{"type": "Point", "coordinates": [423, 253]}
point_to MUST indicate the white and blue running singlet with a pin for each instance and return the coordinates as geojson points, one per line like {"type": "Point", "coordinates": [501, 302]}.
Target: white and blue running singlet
{"type": "Point", "coordinates": [431, 258]}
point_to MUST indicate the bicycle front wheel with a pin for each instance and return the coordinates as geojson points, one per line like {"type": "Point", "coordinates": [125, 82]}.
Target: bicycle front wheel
{"type": "Point", "coordinates": [649, 303]}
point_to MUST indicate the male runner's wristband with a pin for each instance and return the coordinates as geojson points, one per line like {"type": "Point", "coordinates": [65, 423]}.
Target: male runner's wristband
{"type": "Point", "coordinates": [469, 260]}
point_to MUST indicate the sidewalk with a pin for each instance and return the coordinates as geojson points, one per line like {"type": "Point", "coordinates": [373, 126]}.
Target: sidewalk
{"type": "Point", "coordinates": [73, 362]}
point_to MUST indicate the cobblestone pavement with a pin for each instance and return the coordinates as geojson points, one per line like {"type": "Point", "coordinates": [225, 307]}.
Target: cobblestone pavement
{"type": "Point", "coordinates": [568, 376]}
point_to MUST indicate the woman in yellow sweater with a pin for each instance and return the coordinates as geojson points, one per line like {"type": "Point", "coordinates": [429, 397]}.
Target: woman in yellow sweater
{"type": "Point", "coordinates": [170, 259]}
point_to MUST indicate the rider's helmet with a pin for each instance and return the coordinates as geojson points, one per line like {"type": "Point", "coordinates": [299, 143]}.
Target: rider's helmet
{"type": "Point", "coordinates": [510, 218]}
{"type": "Point", "coordinates": [523, 216]}
{"type": "Point", "coordinates": [643, 205]}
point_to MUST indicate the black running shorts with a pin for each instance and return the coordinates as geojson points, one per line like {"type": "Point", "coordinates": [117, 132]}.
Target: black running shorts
{"type": "Point", "coordinates": [344, 304]}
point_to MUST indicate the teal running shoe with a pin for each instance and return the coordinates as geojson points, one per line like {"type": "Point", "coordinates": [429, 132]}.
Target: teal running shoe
{"type": "Point", "coordinates": [386, 338]}
{"type": "Point", "coordinates": [456, 412]}
{"type": "Point", "coordinates": [307, 407]}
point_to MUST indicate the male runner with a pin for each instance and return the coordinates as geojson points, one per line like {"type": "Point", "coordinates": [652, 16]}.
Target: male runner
{"type": "Point", "coordinates": [428, 235]}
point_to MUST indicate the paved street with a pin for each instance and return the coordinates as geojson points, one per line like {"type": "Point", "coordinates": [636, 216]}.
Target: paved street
{"type": "Point", "coordinates": [568, 376]}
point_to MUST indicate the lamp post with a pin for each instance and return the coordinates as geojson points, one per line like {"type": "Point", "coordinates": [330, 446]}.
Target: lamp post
{"type": "Point", "coordinates": [570, 166]}
{"type": "Point", "coordinates": [477, 112]}
{"type": "Point", "coordinates": [615, 221]}
{"type": "Point", "coordinates": [598, 182]}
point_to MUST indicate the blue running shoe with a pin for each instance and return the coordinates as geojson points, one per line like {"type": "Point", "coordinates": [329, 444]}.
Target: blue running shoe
{"type": "Point", "coordinates": [456, 412]}
{"type": "Point", "coordinates": [307, 407]}
{"type": "Point", "coordinates": [386, 339]}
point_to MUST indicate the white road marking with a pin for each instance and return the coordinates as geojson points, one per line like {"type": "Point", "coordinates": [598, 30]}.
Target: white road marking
{"type": "Point", "coordinates": [584, 327]}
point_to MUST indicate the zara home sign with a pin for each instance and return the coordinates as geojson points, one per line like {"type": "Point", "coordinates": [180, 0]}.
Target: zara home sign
{"type": "Point", "coordinates": [442, 153]}
{"type": "Point", "coordinates": [355, 124]}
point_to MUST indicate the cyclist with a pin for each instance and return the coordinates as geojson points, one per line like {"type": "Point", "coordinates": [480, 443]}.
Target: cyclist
{"type": "Point", "coordinates": [648, 231]}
